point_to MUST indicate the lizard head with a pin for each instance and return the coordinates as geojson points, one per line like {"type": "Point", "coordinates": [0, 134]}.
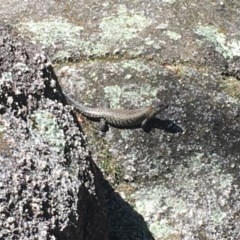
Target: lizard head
{"type": "Point", "coordinates": [155, 108]}
{"type": "Point", "coordinates": [158, 107]}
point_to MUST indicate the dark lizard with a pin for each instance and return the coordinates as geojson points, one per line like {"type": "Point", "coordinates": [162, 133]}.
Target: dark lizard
{"type": "Point", "coordinates": [121, 118]}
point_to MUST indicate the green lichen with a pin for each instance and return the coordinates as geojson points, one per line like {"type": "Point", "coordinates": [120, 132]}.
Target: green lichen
{"type": "Point", "coordinates": [113, 93]}
{"type": "Point", "coordinates": [173, 35]}
{"type": "Point", "coordinates": [149, 204]}
{"type": "Point", "coordinates": [162, 229]}
{"type": "Point", "coordinates": [228, 48]}
{"type": "Point", "coordinates": [61, 55]}
{"type": "Point", "coordinates": [137, 65]}
{"type": "Point", "coordinates": [177, 201]}
{"type": "Point", "coordinates": [131, 89]}
{"type": "Point", "coordinates": [3, 127]}
{"type": "Point", "coordinates": [217, 216]}
{"type": "Point", "coordinates": [137, 96]}
{"type": "Point", "coordinates": [114, 29]}
{"type": "Point", "coordinates": [169, 1]}
{"type": "Point", "coordinates": [52, 31]}
{"type": "Point", "coordinates": [45, 128]}
{"type": "Point", "coordinates": [125, 25]}
{"type": "Point", "coordinates": [7, 76]}
{"type": "Point", "coordinates": [21, 67]}
{"type": "Point", "coordinates": [4, 144]}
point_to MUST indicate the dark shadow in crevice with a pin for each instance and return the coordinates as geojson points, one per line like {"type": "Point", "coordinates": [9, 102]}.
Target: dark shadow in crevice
{"type": "Point", "coordinates": [124, 221]}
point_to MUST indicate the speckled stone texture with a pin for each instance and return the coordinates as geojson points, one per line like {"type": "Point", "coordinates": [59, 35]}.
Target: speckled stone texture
{"type": "Point", "coordinates": [49, 186]}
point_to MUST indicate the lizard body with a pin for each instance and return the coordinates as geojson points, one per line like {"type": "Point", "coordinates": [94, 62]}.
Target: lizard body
{"type": "Point", "coordinates": [123, 118]}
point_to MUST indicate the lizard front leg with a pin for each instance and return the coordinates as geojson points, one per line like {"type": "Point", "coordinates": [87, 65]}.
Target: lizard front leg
{"type": "Point", "coordinates": [145, 122]}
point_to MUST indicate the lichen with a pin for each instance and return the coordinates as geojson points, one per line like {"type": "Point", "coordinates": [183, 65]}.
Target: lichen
{"type": "Point", "coordinates": [45, 128]}
{"type": "Point", "coordinates": [51, 31]}
{"type": "Point", "coordinates": [125, 25]}
{"type": "Point", "coordinates": [228, 48]}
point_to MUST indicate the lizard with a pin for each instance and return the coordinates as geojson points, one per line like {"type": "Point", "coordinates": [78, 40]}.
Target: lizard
{"type": "Point", "coordinates": [120, 118]}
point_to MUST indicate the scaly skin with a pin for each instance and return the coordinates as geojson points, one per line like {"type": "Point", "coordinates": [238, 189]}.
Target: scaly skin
{"type": "Point", "coordinates": [123, 118]}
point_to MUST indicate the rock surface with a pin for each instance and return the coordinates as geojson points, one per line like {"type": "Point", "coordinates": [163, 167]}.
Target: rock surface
{"type": "Point", "coordinates": [49, 186]}
{"type": "Point", "coordinates": [187, 53]}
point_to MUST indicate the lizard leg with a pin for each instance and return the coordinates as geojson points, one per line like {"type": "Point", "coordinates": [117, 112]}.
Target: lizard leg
{"type": "Point", "coordinates": [145, 126]}
{"type": "Point", "coordinates": [144, 122]}
{"type": "Point", "coordinates": [103, 126]}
